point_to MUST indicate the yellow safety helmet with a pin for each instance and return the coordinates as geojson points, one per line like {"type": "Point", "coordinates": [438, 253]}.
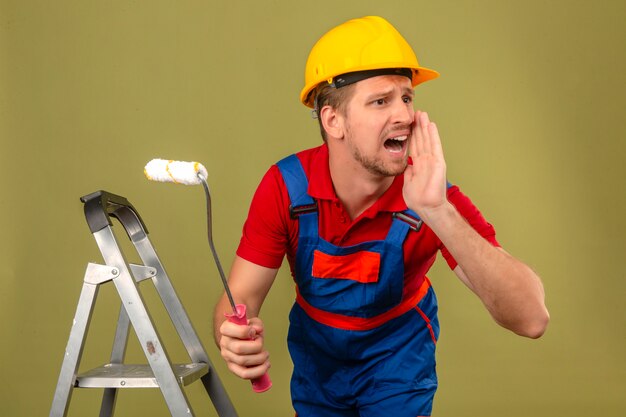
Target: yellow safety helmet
{"type": "Point", "coordinates": [364, 44]}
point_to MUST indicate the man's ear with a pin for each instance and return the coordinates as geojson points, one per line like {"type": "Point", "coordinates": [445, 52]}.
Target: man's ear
{"type": "Point", "coordinates": [333, 122]}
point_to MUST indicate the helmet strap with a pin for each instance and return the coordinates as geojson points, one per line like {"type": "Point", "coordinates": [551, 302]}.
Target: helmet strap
{"type": "Point", "coordinates": [353, 77]}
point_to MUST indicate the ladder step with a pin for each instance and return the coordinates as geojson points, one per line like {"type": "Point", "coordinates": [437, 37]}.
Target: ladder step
{"type": "Point", "coordinates": [115, 375]}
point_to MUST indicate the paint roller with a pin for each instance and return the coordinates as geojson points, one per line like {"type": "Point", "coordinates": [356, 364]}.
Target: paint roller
{"type": "Point", "coordinates": [193, 173]}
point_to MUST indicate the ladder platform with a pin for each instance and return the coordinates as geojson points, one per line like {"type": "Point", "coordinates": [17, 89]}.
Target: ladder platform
{"type": "Point", "coordinates": [115, 375]}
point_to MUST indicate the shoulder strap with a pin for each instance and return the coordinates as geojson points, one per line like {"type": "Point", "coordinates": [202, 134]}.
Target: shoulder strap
{"type": "Point", "coordinates": [297, 184]}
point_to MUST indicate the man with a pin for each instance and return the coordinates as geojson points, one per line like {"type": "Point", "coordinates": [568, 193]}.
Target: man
{"type": "Point", "coordinates": [361, 224]}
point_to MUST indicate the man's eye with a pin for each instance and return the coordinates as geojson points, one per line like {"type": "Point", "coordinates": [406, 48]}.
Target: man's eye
{"type": "Point", "coordinates": [407, 99]}
{"type": "Point", "coordinates": [379, 102]}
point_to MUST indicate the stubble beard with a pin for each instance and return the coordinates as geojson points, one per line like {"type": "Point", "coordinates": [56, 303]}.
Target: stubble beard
{"type": "Point", "coordinates": [375, 165]}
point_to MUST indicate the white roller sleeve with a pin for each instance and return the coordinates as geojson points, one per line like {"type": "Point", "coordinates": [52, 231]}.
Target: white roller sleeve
{"type": "Point", "coordinates": [179, 172]}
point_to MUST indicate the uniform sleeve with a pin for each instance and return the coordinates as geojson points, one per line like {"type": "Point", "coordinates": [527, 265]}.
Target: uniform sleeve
{"type": "Point", "coordinates": [264, 239]}
{"type": "Point", "coordinates": [474, 217]}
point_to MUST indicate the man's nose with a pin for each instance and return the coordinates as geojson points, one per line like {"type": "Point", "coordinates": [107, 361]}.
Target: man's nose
{"type": "Point", "coordinates": [403, 112]}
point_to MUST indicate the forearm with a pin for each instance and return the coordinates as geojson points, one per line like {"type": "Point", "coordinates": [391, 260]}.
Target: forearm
{"type": "Point", "coordinates": [511, 291]}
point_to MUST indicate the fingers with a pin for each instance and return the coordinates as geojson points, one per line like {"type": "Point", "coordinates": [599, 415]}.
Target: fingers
{"type": "Point", "coordinates": [242, 349]}
{"type": "Point", "coordinates": [424, 181]}
{"type": "Point", "coordinates": [420, 134]}
{"type": "Point", "coordinates": [244, 353]}
{"type": "Point", "coordinates": [249, 372]}
{"type": "Point", "coordinates": [424, 124]}
{"type": "Point", "coordinates": [413, 151]}
{"type": "Point", "coordinates": [425, 137]}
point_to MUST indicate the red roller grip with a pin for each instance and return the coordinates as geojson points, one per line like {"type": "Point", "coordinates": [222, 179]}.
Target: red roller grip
{"type": "Point", "coordinates": [263, 383]}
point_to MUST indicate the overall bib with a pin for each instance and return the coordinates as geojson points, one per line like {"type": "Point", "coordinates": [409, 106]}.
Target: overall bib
{"type": "Point", "coordinates": [360, 346]}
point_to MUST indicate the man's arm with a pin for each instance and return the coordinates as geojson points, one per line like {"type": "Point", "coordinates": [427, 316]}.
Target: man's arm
{"type": "Point", "coordinates": [242, 346]}
{"type": "Point", "coordinates": [510, 290]}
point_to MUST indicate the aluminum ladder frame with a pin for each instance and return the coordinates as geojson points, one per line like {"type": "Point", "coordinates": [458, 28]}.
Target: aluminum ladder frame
{"type": "Point", "coordinates": [159, 372]}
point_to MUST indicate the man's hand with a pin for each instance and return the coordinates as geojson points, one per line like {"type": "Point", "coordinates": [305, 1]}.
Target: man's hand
{"type": "Point", "coordinates": [242, 348]}
{"type": "Point", "coordinates": [425, 181]}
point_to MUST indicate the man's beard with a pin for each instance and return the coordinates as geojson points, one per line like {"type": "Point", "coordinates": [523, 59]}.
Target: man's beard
{"type": "Point", "coordinates": [376, 166]}
{"type": "Point", "coordinates": [373, 165]}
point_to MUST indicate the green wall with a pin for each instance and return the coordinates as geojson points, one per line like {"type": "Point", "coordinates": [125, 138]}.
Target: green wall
{"type": "Point", "coordinates": [530, 107]}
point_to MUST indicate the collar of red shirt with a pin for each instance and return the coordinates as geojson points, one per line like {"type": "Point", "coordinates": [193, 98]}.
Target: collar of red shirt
{"type": "Point", "coordinates": [321, 186]}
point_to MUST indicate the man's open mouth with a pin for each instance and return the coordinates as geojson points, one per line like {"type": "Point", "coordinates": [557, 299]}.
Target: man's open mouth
{"type": "Point", "coordinates": [396, 144]}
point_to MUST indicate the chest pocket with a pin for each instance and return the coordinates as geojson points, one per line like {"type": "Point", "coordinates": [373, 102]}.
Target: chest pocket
{"type": "Point", "coordinates": [362, 266]}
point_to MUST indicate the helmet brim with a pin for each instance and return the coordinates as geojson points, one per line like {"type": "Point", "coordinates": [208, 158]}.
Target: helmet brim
{"type": "Point", "coordinates": [420, 75]}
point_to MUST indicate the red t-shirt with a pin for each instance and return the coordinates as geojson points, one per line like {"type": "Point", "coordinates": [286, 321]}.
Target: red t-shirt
{"type": "Point", "coordinates": [269, 233]}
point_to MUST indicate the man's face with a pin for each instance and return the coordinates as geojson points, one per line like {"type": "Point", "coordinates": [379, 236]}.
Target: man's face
{"type": "Point", "coordinates": [378, 124]}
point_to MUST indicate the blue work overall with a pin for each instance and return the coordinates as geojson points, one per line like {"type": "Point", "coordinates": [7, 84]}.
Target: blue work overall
{"type": "Point", "coordinates": [360, 347]}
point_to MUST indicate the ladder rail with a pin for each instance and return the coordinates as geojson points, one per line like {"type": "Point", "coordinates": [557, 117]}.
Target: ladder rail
{"type": "Point", "coordinates": [74, 350]}
{"type": "Point", "coordinates": [120, 342]}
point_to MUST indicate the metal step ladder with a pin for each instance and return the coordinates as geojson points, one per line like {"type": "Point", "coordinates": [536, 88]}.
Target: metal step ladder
{"type": "Point", "coordinates": [158, 372]}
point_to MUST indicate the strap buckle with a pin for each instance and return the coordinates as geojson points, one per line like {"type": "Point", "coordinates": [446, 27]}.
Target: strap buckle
{"type": "Point", "coordinates": [414, 224]}
{"type": "Point", "coordinates": [295, 212]}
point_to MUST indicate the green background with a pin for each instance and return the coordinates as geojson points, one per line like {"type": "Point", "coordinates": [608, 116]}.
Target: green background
{"type": "Point", "coordinates": [530, 108]}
